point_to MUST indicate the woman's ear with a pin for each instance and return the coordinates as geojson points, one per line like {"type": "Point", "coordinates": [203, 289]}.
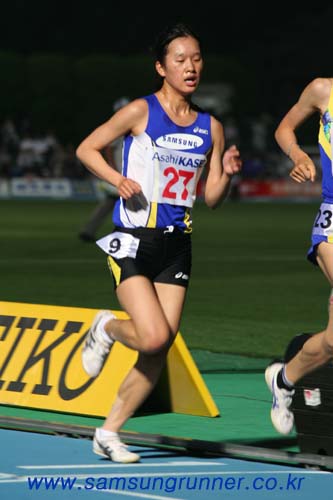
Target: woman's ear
{"type": "Point", "coordinates": [159, 68]}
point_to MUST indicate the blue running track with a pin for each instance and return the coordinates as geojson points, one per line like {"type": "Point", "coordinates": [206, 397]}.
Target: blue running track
{"type": "Point", "coordinates": [42, 466]}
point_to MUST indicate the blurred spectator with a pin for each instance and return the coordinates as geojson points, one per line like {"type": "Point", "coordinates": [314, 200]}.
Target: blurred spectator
{"type": "Point", "coordinates": [261, 128]}
{"type": "Point", "coordinates": [27, 159]}
{"type": "Point", "coordinates": [9, 136]}
{"type": "Point", "coordinates": [44, 144]}
{"type": "Point", "coordinates": [5, 162]}
{"type": "Point", "coordinates": [231, 131]}
{"type": "Point", "coordinates": [253, 167]}
{"type": "Point", "coordinates": [56, 160]}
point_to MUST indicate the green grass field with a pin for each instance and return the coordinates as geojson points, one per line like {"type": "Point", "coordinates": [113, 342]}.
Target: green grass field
{"type": "Point", "coordinates": [252, 288]}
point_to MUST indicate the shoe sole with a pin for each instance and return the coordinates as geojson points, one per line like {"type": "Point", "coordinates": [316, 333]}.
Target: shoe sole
{"type": "Point", "coordinates": [100, 452]}
{"type": "Point", "coordinates": [275, 423]}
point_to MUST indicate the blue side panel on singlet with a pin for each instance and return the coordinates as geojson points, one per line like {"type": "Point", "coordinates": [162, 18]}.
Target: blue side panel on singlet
{"type": "Point", "coordinates": [325, 149]}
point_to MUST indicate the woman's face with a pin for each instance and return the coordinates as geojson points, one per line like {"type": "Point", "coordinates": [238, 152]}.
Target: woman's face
{"type": "Point", "coordinates": [182, 65]}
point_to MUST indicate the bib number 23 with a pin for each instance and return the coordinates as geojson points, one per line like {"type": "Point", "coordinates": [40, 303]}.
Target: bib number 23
{"type": "Point", "coordinates": [323, 222]}
{"type": "Point", "coordinates": [323, 219]}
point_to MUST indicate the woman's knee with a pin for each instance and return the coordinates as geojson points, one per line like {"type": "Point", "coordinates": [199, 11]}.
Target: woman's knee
{"type": "Point", "coordinates": [154, 345]}
{"type": "Point", "coordinates": [155, 340]}
{"type": "Point", "coordinates": [327, 342]}
{"type": "Point", "coordinates": [318, 345]}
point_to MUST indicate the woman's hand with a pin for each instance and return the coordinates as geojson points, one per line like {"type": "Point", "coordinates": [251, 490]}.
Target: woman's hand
{"type": "Point", "coordinates": [232, 162]}
{"type": "Point", "coordinates": [303, 170]}
{"type": "Point", "coordinates": [128, 188]}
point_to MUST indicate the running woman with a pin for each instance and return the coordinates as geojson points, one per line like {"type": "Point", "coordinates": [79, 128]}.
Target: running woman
{"type": "Point", "coordinates": [168, 143]}
{"type": "Point", "coordinates": [316, 98]}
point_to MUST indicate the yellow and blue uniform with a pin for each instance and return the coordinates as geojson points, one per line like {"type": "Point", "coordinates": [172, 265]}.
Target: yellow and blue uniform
{"type": "Point", "coordinates": [322, 229]}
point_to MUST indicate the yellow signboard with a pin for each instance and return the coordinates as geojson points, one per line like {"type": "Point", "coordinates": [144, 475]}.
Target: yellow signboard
{"type": "Point", "coordinates": [40, 365]}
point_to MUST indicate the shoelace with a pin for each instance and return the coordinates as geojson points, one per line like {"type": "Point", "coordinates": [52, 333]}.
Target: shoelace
{"type": "Point", "coordinates": [287, 397]}
{"type": "Point", "coordinates": [101, 346]}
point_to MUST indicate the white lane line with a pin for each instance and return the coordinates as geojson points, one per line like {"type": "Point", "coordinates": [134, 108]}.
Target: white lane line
{"type": "Point", "coordinates": [113, 465]}
{"type": "Point", "coordinates": [183, 473]}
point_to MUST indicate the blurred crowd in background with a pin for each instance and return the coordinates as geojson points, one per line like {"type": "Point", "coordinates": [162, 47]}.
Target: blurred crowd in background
{"type": "Point", "coordinates": [29, 151]}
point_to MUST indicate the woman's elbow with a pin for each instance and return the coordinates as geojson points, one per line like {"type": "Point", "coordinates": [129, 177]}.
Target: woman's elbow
{"type": "Point", "coordinates": [277, 134]}
{"type": "Point", "coordinates": [211, 202]}
{"type": "Point", "coordinates": [79, 152]}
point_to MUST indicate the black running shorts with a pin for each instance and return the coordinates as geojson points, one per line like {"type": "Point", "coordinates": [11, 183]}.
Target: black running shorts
{"type": "Point", "coordinates": [162, 255]}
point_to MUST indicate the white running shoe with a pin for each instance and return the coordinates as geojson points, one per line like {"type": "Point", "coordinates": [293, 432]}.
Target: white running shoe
{"type": "Point", "coordinates": [282, 418]}
{"type": "Point", "coordinates": [114, 449]}
{"type": "Point", "coordinates": [96, 346]}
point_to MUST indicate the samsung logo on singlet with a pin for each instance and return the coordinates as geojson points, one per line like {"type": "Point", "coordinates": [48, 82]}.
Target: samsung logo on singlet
{"type": "Point", "coordinates": [179, 141]}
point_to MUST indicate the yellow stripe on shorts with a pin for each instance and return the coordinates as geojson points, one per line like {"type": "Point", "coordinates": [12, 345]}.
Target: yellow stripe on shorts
{"type": "Point", "coordinates": [115, 269]}
{"type": "Point", "coordinates": [152, 215]}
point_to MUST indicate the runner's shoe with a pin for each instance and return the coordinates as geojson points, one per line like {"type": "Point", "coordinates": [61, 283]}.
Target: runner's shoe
{"type": "Point", "coordinates": [282, 418]}
{"type": "Point", "coordinates": [114, 449]}
{"type": "Point", "coordinates": [96, 345]}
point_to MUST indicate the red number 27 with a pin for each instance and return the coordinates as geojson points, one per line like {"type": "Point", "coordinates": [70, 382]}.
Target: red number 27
{"type": "Point", "coordinates": [175, 176]}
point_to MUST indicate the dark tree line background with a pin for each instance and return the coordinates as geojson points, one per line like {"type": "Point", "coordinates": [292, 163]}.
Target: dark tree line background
{"type": "Point", "coordinates": [64, 63]}
{"type": "Point", "coordinates": [72, 95]}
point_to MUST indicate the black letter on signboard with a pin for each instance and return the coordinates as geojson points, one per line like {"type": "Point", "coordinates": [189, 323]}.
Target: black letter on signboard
{"type": "Point", "coordinates": [23, 324]}
{"type": "Point", "coordinates": [64, 392]}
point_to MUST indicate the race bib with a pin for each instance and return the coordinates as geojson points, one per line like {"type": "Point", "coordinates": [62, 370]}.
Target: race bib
{"type": "Point", "coordinates": [177, 177]}
{"type": "Point", "coordinates": [119, 245]}
{"type": "Point", "coordinates": [323, 222]}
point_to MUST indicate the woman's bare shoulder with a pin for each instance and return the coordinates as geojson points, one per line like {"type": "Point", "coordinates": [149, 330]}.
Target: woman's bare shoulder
{"type": "Point", "coordinates": [320, 87]}
{"type": "Point", "coordinates": [137, 106]}
{"type": "Point", "coordinates": [316, 94]}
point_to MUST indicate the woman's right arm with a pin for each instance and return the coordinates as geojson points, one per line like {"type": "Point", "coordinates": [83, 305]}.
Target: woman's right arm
{"type": "Point", "coordinates": [128, 119]}
{"type": "Point", "coordinates": [312, 100]}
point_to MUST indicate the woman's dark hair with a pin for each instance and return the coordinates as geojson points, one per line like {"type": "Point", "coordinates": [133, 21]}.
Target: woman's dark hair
{"type": "Point", "coordinates": [168, 34]}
